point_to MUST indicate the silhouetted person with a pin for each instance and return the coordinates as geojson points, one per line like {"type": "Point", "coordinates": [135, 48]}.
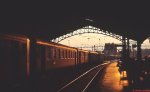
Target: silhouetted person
{"type": "Point", "coordinates": [130, 68]}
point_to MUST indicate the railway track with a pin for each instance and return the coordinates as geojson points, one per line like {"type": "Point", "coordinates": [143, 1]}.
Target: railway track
{"type": "Point", "coordinates": [81, 83]}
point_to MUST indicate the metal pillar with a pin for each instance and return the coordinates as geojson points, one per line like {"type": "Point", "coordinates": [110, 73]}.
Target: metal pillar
{"type": "Point", "coordinates": [123, 49]}
{"type": "Point", "coordinates": [128, 48]}
{"type": "Point", "coordinates": [139, 56]}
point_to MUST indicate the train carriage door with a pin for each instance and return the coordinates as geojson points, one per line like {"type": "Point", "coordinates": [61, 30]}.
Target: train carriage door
{"type": "Point", "coordinates": [66, 54]}
{"type": "Point", "coordinates": [59, 54]}
{"type": "Point", "coordinates": [89, 57]}
{"type": "Point", "coordinates": [76, 57]}
{"type": "Point", "coordinates": [56, 55]}
{"type": "Point", "coordinates": [23, 61]}
{"type": "Point", "coordinates": [39, 59]}
{"type": "Point", "coordinates": [79, 57]}
{"type": "Point", "coordinates": [5, 60]}
{"type": "Point", "coordinates": [84, 56]}
{"type": "Point", "coordinates": [53, 55]}
{"type": "Point", "coordinates": [15, 61]}
{"type": "Point", "coordinates": [43, 59]}
{"type": "Point", "coordinates": [48, 56]}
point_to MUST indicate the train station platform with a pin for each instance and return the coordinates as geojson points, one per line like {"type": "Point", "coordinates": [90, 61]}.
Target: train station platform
{"type": "Point", "coordinates": [113, 81]}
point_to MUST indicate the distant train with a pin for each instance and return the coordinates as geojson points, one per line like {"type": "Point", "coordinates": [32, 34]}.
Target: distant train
{"type": "Point", "coordinates": [15, 56]}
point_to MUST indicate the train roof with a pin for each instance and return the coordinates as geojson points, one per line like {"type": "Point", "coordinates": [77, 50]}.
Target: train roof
{"type": "Point", "coordinates": [14, 37]}
{"type": "Point", "coordinates": [53, 44]}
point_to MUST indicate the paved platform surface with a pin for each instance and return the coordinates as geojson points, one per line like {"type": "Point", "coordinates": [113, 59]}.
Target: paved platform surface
{"type": "Point", "coordinates": [113, 81]}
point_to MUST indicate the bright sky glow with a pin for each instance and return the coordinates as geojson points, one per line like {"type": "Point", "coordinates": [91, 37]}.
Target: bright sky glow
{"type": "Point", "coordinates": [89, 40]}
{"type": "Point", "coordinates": [146, 44]}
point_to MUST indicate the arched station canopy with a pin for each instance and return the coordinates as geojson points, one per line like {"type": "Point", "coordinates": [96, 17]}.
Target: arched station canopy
{"type": "Point", "coordinates": [49, 20]}
{"type": "Point", "coordinates": [87, 29]}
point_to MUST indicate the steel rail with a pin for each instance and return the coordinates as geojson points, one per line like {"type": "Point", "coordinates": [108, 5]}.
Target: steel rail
{"type": "Point", "coordinates": [68, 84]}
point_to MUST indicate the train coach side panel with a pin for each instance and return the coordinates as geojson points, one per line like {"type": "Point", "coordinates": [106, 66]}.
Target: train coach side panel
{"type": "Point", "coordinates": [58, 57]}
{"type": "Point", "coordinates": [95, 57]}
{"type": "Point", "coordinates": [40, 59]}
{"type": "Point", "coordinates": [83, 57]}
{"type": "Point", "coordinates": [13, 57]}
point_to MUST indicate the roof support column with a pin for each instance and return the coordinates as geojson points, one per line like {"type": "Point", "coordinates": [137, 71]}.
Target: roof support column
{"type": "Point", "coordinates": [123, 49]}
{"type": "Point", "coordinates": [139, 56]}
{"type": "Point", "coordinates": [128, 48]}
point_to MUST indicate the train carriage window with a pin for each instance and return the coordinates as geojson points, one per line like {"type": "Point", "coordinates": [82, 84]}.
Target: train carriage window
{"type": "Point", "coordinates": [59, 54]}
{"type": "Point", "coordinates": [64, 54]}
{"type": "Point", "coordinates": [68, 54]}
{"type": "Point", "coordinates": [84, 56]}
{"type": "Point", "coordinates": [49, 52]}
{"type": "Point", "coordinates": [55, 55]}
{"type": "Point", "coordinates": [74, 55]}
{"type": "Point", "coordinates": [71, 54]}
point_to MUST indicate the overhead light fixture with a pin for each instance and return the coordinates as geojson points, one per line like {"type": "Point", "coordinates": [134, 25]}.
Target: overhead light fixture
{"type": "Point", "coordinates": [89, 20]}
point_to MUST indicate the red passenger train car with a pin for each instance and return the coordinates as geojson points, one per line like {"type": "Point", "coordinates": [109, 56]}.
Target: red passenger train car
{"type": "Point", "coordinates": [15, 55]}
{"type": "Point", "coordinates": [82, 56]}
{"type": "Point", "coordinates": [14, 58]}
{"type": "Point", "coordinates": [55, 55]}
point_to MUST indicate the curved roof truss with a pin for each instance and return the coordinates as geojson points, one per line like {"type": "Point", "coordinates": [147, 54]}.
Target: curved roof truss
{"type": "Point", "coordinates": [87, 29]}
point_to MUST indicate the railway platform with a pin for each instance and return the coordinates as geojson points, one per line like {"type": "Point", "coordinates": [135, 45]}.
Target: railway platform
{"type": "Point", "coordinates": [111, 81]}
{"type": "Point", "coordinates": [114, 81]}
